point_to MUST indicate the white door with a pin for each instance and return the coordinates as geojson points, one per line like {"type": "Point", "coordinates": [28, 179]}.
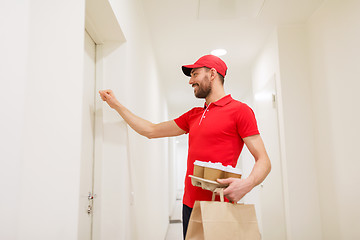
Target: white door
{"type": "Point", "coordinates": [88, 136]}
{"type": "Point", "coordinates": [271, 191]}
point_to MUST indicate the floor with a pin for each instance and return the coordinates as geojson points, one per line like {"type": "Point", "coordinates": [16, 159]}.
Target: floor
{"type": "Point", "coordinates": [174, 231]}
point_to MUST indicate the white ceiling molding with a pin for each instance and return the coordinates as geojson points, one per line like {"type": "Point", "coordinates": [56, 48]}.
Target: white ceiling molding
{"type": "Point", "coordinates": [101, 22]}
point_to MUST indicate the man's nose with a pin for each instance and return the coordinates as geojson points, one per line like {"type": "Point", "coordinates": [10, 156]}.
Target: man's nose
{"type": "Point", "coordinates": [191, 81]}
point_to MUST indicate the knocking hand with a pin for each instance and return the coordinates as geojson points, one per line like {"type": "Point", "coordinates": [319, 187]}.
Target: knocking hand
{"type": "Point", "coordinates": [237, 188]}
{"type": "Point", "coordinates": [109, 97]}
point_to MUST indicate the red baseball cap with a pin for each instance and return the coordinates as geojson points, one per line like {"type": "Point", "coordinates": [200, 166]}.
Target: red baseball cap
{"type": "Point", "coordinates": [209, 61]}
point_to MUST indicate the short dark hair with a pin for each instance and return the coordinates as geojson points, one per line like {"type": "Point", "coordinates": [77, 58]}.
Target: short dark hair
{"type": "Point", "coordinates": [222, 79]}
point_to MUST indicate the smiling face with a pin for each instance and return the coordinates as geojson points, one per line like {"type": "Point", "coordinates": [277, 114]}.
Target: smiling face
{"type": "Point", "coordinates": [200, 81]}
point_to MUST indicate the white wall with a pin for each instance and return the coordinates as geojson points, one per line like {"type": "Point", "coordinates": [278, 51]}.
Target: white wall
{"type": "Point", "coordinates": [285, 56]}
{"type": "Point", "coordinates": [41, 79]}
{"type": "Point", "coordinates": [270, 199]}
{"type": "Point", "coordinates": [132, 73]}
{"type": "Point", "coordinates": [299, 137]}
{"type": "Point", "coordinates": [334, 37]}
{"type": "Point", "coordinates": [318, 72]}
{"type": "Point", "coordinates": [52, 135]}
{"type": "Point", "coordinates": [181, 156]}
{"type": "Point", "coordinates": [13, 67]}
{"type": "Point", "coordinates": [172, 173]}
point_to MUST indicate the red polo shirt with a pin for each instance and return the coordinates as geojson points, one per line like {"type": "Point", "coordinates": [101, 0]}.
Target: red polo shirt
{"type": "Point", "coordinates": [215, 134]}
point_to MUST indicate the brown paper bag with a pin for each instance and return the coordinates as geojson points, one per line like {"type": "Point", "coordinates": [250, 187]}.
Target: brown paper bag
{"type": "Point", "coordinates": [212, 220]}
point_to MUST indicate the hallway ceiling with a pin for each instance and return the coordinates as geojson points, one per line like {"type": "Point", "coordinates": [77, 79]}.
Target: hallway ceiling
{"type": "Point", "coordinates": [184, 30]}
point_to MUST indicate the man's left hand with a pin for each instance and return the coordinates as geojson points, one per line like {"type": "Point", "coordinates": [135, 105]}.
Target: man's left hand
{"type": "Point", "coordinates": [237, 188]}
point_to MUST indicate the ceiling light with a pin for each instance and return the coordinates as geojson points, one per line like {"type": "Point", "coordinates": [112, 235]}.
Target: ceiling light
{"type": "Point", "coordinates": [219, 52]}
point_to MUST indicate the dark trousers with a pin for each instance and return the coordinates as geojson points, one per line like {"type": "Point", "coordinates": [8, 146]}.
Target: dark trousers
{"type": "Point", "coordinates": [186, 212]}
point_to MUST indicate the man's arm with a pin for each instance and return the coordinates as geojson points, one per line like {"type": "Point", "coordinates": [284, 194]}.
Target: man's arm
{"type": "Point", "coordinates": [239, 187]}
{"type": "Point", "coordinates": [141, 126]}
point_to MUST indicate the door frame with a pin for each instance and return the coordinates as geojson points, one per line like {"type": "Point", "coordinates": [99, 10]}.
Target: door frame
{"type": "Point", "coordinates": [103, 27]}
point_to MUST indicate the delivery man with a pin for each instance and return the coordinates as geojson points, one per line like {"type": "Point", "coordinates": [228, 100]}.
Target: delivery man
{"type": "Point", "coordinates": [217, 131]}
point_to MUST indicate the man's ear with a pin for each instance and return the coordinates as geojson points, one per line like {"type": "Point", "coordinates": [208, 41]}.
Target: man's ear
{"type": "Point", "coordinates": [213, 73]}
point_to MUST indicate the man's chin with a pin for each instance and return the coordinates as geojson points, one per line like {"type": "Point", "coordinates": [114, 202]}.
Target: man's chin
{"type": "Point", "coordinates": [199, 96]}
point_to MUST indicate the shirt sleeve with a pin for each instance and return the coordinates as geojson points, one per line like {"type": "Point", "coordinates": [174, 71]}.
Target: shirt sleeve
{"type": "Point", "coordinates": [246, 124]}
{"type": "Point", "coordinates": [183, 121]}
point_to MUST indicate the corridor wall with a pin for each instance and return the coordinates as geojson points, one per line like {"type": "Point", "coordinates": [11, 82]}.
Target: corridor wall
{"type": "Point", "coordinates": [13, 70]}
{"type": "Point", "coordinates": [302, 181]}
{"type": "Point", "coordinates": [333, 38]}
{"type": "Point", "coordinates": [48, 48]}
{"type": "Point", "coordinates": [318, 81]}
{"type": "Point", "coordinates": [283, 60]}
{"type": "Point", "coordinates": [42, 73]}
{"type": "Point", "coordinates": [135, 80]}
{"type": "Point", "coordinates": [272, 207]}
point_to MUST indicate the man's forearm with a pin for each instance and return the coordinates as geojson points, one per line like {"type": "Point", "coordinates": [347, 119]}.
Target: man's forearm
{"type": "Point", "coordinates": [239, 187]}
{"type": "Point", "coordinates": [262, 164]}
{"type": "Point", "coordinates": [260, 170]}
{"type": "Point", "coordinates": [140, 125]}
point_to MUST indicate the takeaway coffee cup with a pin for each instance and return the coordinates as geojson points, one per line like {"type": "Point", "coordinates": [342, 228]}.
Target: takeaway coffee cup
{"type": "Point", "coordinates": [199, 169]}
{"type": "Point", "coordinates": [213, 171]}
{"type": "Point", "coordinates": [232, 172]}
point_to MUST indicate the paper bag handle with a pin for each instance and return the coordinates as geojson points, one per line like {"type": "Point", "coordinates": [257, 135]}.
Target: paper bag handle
{"type": "Point", "coordinates": [221, 192]}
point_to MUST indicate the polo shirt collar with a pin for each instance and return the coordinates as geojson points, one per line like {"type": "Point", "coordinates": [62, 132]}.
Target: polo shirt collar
{"type": "Point", "coordinates": [222, 101]}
